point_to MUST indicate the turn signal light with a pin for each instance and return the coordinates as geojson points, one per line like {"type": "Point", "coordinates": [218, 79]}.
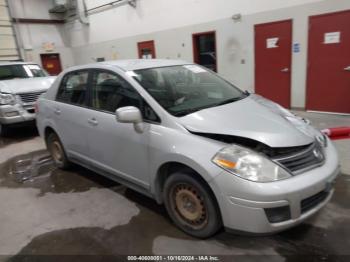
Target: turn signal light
{"type": "Point", "coordinates": [226, 163]}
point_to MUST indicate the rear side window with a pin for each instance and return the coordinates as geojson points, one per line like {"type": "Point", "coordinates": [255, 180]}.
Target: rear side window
{"type": "Point", "coordinates": [73, 88]}
{"type": "Point", "coordinates": [110, 92]}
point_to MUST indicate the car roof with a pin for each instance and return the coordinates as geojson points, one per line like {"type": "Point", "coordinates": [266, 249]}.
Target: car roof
{"type": "Point", "coordinates": [17, 63]}
{"type": "Point", "coordinates": [135, 64]}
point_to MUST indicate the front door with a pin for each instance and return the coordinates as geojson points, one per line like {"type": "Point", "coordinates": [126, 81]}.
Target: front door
{"type": "Point", "coordinates": [51, 63]}
{"type": "Point", "coordinates": [328, 85]}
{"type": "Point", "coordinates": [146, 50]}
{"type": "Point", "coordinates": [273, 56]}
{"type": "Point", "coordinates": [116, 147]}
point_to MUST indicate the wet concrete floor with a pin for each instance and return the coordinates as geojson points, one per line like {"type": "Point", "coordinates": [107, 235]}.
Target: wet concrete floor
{"type": "Point", "coordinates": [77, 212]}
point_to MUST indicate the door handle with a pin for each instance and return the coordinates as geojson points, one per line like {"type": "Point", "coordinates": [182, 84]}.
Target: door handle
{"type": "Point", "coordinates": [347, 68]}
{"type": "Point", "coordinates": [93, 122]}
{"type": "Point", "coordinates": [57, 111]}
{"type": "Point", "coordinates": [285, 70]}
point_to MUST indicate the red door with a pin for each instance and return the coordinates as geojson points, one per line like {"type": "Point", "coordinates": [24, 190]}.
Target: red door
{"type": "Point", "coordinates": [273, 56]}
{"type": "Point", "coordinates": [146, 50]}
{"type": "Point", "coordinates": [328, 85]}
{"type": "Point", "coordinates": [51, 63]}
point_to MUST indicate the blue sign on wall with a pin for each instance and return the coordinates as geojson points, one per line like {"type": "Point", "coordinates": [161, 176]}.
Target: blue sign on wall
{"type": "Point", "coordinates": [296, 48]}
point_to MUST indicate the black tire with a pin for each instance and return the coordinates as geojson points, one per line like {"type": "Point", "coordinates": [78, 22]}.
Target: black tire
{"type": "Point", "coordinates": [3, 130]}
{"type": "Point", "coordinates": [56, 149]}
{"type": "Point", "coordinates": [191, 205]}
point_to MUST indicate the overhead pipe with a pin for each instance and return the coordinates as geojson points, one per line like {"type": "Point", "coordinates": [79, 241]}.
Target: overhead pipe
{"type": "Point", "coordinates": [113, 3]}
{"type": "Point", "coordinates": [82, 12]}
{"type": "Point", "coordinates": [37, 21]}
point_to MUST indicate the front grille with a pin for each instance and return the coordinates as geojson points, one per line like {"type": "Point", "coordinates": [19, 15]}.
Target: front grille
{"type": "Point", "coordinates": [30, 97]}
{"type": "Point", "coordinates": [311, 202]}
{"type": "Point", "coordinates": [303, 160]}
{"type": "Point", "coordinates": [279, 152]}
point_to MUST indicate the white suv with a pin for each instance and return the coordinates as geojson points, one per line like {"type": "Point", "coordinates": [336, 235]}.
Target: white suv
{"type": "Point", "coordinates": [21, 84]}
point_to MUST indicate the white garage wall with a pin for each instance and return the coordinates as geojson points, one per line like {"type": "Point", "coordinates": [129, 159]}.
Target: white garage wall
{"type": "Point", "coordinates": [158, 15]}
{"type": "Point", "coordinates": [113, 34]}
{"type": "Point", "coordinates": [33, 36]}
{"type": "Point", "coordinates": [32, 8]}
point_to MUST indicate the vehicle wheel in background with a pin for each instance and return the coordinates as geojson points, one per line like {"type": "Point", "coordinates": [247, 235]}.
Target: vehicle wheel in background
{"type": "Point", "coordinates": [191, 205]}
{"type": "Point", "coordinates": [57, 152]}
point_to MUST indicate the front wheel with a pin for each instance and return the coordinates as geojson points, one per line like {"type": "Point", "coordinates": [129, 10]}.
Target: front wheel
{"type": "Point", "coordinates": [57, 152]}
{"type": "Point", "coordinates": [191, 205]}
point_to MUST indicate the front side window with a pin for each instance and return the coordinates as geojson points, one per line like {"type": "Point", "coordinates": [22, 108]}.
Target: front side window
{"type": "Point", "coordinates": [73, 88]}
{"type": "Point", "coordinates": [9, 72]}
{"type": "Point", "coordinates": [110, 92]}
{"type": "Point", "coordinates": [182, 90]}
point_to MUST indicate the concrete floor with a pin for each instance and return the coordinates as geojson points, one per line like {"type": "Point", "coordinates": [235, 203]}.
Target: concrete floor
{"type": "Point", "coordinates": [45, 211]}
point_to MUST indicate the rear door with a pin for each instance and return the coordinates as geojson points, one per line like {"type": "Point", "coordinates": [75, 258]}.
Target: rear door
{"type": "Point", "coordinates": [328, 85]}
{"type": "Point", "coordinates": [273, 56]}
{"type": "Point", "coordinates": [71, 115]}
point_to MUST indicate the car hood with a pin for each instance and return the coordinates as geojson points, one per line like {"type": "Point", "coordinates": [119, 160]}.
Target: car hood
{"type": "Point", "coordinates": [255, 118]}
{"type": "Point", "coordinates": [17, 86]}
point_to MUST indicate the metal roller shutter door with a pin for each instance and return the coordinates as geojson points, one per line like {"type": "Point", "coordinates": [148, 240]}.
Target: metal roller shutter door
{"type": "Point", "coordinates": [8, 46]}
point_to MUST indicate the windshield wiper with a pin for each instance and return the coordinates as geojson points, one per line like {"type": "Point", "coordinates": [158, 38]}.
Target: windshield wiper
{"type": "Point", "coordinates": [193, 110]}
{"type": "Point", "coordinates": [186, 112]}
{"type": "Point", "coordinates": [190, 110]}
{"type": "Point", "coordinates": [228, 101]}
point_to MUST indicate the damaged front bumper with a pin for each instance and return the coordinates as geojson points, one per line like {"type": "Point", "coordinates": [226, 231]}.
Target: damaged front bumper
{"type": "Point", "coordinates": [263, 208]}
{"type": "Point", "coordinates": [14, 114]}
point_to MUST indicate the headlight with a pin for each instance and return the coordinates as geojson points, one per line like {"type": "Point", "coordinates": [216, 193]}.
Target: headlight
{"type": "Point", "coordinates": [7, 99]}
{"type": "Point", "coordinates": [249, 165]}
{"type": "Point", "coordinates": [322, 139]}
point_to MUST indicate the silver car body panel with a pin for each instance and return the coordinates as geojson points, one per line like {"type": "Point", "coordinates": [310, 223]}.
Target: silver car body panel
{"type": "Point", "coordinates": [117, 149]}
{"type": "Point", "coordinates": [249, 119]}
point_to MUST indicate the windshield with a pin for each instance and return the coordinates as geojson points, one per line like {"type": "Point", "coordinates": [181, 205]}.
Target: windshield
{"type": "Point", "coordinates": [182, 90]}
{"type": "Point", "coordinates": [8, 72]}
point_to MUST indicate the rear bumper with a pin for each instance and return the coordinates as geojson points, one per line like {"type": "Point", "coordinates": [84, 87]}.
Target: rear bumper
{"type": "Point", "coordinates": [245, 205]}
{"type": "Point", "coordinates": [16, 114]}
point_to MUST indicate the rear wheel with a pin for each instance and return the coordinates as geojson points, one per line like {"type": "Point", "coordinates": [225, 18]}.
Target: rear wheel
{"type": "Point", "coordinates": [191, 205]}
{"type": "Point", "coordinates": [57, 152]}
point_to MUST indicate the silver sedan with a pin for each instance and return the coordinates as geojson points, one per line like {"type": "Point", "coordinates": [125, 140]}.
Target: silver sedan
{"type": "Point", "coordinates": [216, 156]}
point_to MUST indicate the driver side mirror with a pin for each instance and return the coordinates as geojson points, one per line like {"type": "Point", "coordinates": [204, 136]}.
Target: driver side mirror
{"type": "Point", "coordinates": [130, 114]}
